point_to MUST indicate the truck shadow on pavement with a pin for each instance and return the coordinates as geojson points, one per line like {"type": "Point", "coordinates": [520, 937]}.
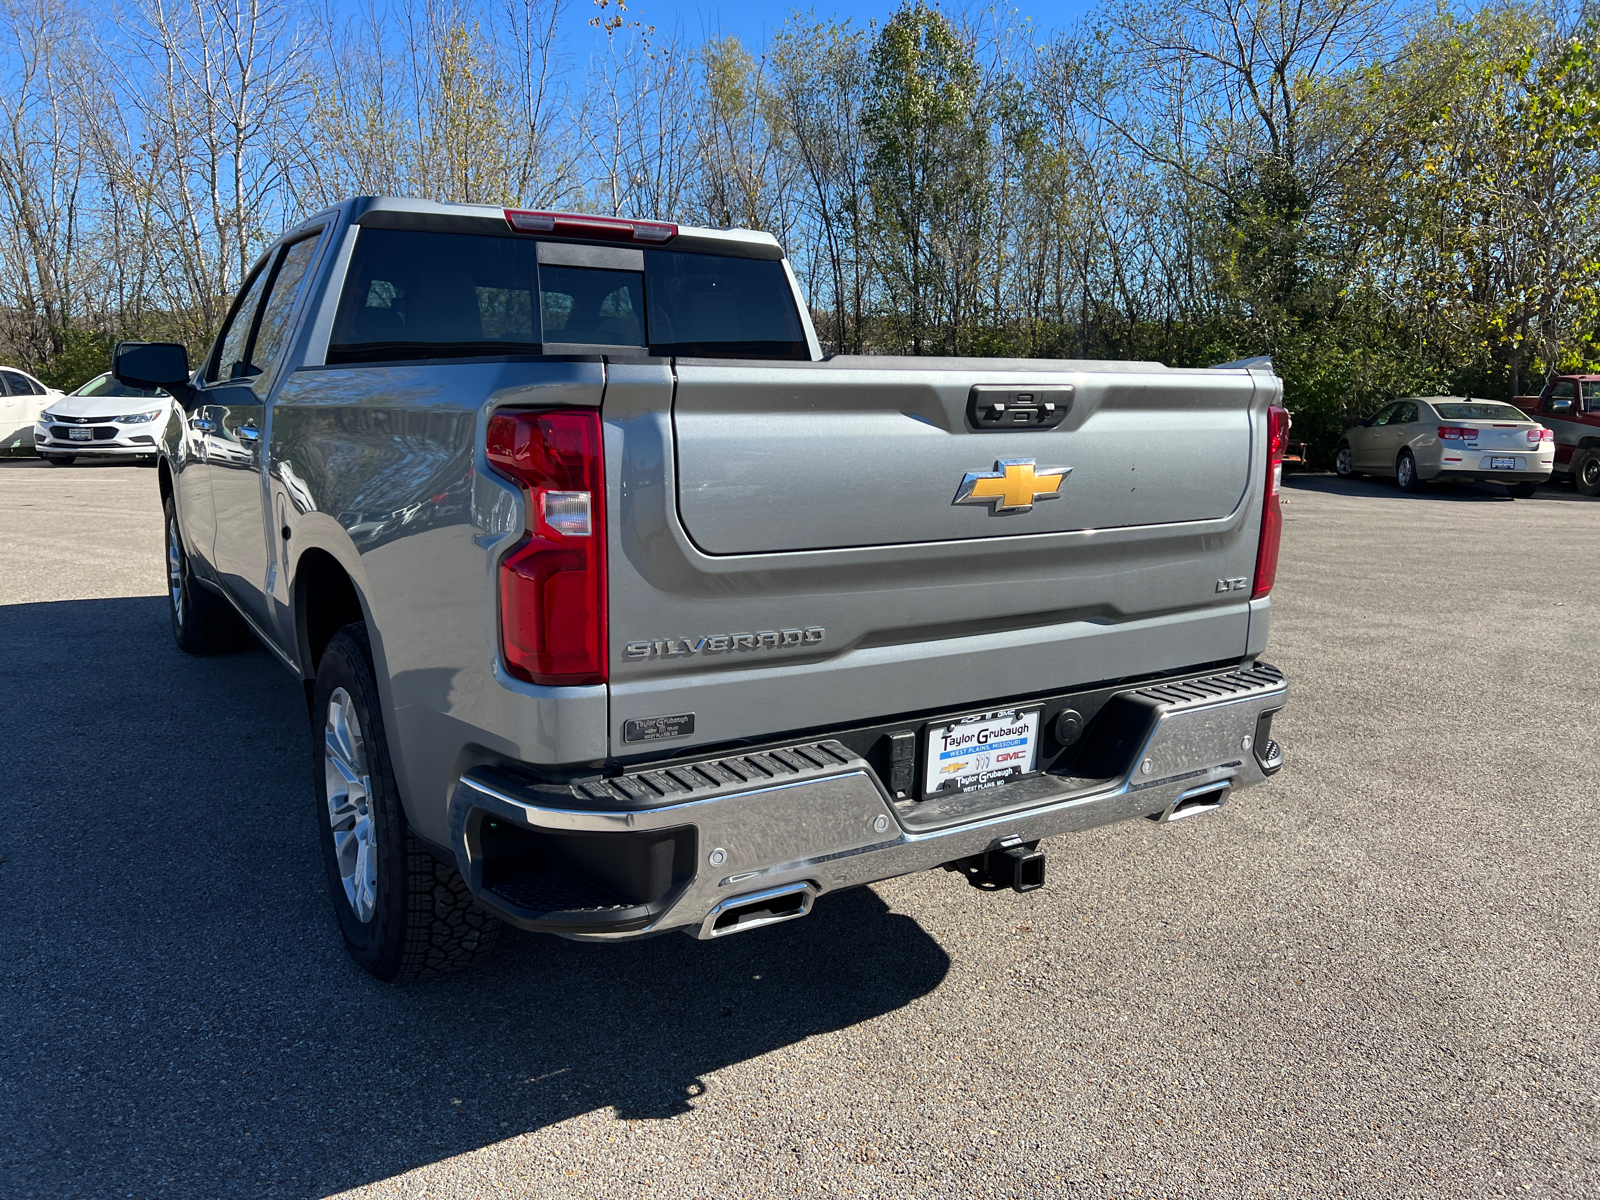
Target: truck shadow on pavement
{"type": "Point", "coordinates": [181, 1019]}
{"type": "Point", "coordinates": [1459, 493]}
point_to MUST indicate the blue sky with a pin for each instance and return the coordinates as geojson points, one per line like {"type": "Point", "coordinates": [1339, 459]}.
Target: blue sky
{"type": "Point", "coordinates": [752, 20]}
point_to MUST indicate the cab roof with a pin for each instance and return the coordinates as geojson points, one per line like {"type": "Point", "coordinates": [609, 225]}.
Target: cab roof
{"type": "Point", "coordinates": [392, 212]}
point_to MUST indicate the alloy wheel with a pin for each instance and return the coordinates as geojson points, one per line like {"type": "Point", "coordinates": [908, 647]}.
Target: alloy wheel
{"type": "Point", "coordinates": [1589, 473]}
{"type": "Point", "coordinates": [349, 787]}
{"type": "Point", "coordinates": [1405, 472]}
{"type": "Point", "coordinates": [175, 571]}
{"type": "Point", "coordinates": [1345, 463]}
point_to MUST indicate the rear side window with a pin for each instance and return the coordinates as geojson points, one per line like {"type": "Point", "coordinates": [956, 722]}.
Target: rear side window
{"type": "Point", "coordinates": [413, 294]}
{"type": "Point", "coordinates": [272, 331]}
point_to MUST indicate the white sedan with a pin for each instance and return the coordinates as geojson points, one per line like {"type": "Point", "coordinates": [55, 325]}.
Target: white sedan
{"type": "Point", "coordinates": [22, 399]}
{"type": "Point", "coordinates": [102, 419]}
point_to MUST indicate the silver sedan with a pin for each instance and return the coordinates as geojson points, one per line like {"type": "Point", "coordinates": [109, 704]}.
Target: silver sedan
{"type": "Point", "coordinates": [1415, 441]}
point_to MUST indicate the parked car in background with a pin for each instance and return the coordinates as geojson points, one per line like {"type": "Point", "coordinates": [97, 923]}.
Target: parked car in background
{"type": "Point", "coordinates": [1569, 406]}
{"type": "Point", "coordinates": [22, 399]}
{"type": "Point", "coordinates": [1415, 441]}
{"type": "Point", "coordinates": [103, 419]}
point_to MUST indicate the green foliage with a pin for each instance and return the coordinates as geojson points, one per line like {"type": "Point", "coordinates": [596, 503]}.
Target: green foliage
{"type": "Point", "coordinates": [84, 354]}
{"type": "Point", "coordinates": [926, 173]}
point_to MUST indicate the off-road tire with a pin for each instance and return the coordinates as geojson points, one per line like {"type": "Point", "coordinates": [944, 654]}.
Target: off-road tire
{"type": "Point", "coordinates": [424, 921]}
{"type": "Point", "coordinates": [60, 460]}
{"type": "Point", "coordinates": [202, 621]}
{"type": "Point", "coordinates": [1344, 461]}
{"type": "Point", "coordinates": [1405, 473]}
{"type": "Point", "coordinates": [1586, 472]}
{"type": "Point", "coordinates": [1522, 491]}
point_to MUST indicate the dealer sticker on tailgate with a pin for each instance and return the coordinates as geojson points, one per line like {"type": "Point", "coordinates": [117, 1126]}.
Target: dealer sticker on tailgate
{"type": "Point", "coordinates": [982, 751]}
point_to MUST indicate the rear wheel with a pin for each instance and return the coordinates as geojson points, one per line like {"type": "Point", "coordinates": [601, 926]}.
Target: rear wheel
{"type": "Point", "coordinates": [402, 912]}
{"type": "Point", "coordinates": [60, 460]}
{"type": "Point", "coordinates": [202, 621]}
{"type": "Point", "coordinates": [1344, 463]}
{"type": "Point", "coordinates": [1522, 491]}
{"type": "Point", "coordinates": [1586, 473]}
{"type": "Point", "coordinates": [1405, 472]}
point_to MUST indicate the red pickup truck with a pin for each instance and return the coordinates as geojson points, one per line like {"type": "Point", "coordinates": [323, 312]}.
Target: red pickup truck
{"type": "Point", "coordinates": [1569, 407]}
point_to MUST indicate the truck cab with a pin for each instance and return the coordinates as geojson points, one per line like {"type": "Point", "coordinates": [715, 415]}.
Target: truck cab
{"type": "Point", "coordinates": [1569, 406]}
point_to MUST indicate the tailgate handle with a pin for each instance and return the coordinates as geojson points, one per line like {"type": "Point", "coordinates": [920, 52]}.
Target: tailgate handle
{"type": "Point", "coordinates": [1011, 407]}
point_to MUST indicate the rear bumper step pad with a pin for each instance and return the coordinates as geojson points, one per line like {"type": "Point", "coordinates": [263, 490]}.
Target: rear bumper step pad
{"type": "Point", "coordinates": [665, 848]}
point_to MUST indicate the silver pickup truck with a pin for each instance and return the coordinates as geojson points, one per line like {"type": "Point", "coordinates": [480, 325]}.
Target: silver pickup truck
{"type": "Point", "coordinates": [620, 608]}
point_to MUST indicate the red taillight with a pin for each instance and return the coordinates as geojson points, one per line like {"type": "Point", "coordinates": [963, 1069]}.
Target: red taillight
{"type": "Point", "coordinates": [583, 225]}
{"type": "Point", "coordinates": [1456, 433]}
{"type": "Point", "coordinates": [1271, 509]}
{"type": "Point", "coordinates": [553, 582]}
{"type": "Point", "coordinates": [1541, 435]}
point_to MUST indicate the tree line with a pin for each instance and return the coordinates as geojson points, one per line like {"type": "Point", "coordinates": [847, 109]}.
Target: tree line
{"type": "Point", "coordinates": [1385, 198]}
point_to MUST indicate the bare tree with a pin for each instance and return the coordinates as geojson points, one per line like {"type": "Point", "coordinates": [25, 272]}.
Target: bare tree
{"type": "Point", "coordinates": [43, 182]}
{"type": "Point", "coordinates": [820, 85]}
{"type": "Point", "coordinates": [635, 124]}
{"type": "Point", "coordinates": [215, 87]}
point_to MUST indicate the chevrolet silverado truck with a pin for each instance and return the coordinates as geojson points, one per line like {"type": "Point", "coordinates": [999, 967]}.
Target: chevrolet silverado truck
{"type": "Point", "coordinates": [1569, 406]}
{"type": "Point", "coordinates": [621, 608]}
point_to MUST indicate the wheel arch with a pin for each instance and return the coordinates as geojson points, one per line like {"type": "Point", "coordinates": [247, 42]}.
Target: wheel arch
{"type": "Point", "coordinates": [164, 478]}
{"type": "Point", "coordinates": [326, 599]}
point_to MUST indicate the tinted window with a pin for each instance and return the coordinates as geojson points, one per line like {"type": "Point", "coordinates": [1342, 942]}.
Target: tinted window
{"type": "Point", "coordinates": [709, 306]}
{"type": "Point", "coordinates": [1480, 412]}
{"type": "Point", "coordinates": [424, 295]}
{"type": "Point", "coordinates": [411, 294]}
{"type": "Point", "coordinates": [16, 383]}
{"type": "Point", "coordinates": [594, 307]}
{"type": "Point", "coordinates": [236, 337]}
{"type": "Point", "coordinates": [1404, 414]}
{"type": "Point", "coordinates": [272, 331]}
{"type": "Point", "coordinates": [1383, 415]}
{"type": "Point", "coordinates": [1591, 395]}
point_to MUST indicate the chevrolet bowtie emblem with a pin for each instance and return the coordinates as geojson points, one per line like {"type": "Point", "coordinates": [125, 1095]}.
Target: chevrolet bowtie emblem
{"type": "Point", "coordinates": [1013, 486]}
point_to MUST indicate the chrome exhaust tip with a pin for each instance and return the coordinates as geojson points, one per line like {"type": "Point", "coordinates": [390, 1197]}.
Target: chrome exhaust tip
{"type": "Point", "coordinates": [739, 913]}
{"type": "Point", "coordinates": [1196, 802]}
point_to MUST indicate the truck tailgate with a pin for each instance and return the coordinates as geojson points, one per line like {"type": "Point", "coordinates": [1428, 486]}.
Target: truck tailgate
{"type": "Point", "coordinates": [786, 552]}
{"type": "Point", "coordinates": [871, 455]}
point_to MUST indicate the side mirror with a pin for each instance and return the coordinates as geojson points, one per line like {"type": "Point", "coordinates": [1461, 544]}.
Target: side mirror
{"type": "Point", "coordinates": [153, 365]}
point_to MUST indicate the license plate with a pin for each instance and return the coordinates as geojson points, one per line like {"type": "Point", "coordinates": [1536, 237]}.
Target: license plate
{"type": "Point", "coordinates": [1502, 464]}
{"type": "Point", "coordinates": [80, 435]}
{"type": "Point", "coordinates": [982, 751]}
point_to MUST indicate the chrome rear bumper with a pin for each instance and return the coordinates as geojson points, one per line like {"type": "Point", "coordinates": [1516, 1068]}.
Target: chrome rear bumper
{"type": "Point", "coordinates": [673, 847]}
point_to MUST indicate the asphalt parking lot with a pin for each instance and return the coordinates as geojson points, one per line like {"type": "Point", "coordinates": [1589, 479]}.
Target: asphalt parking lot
{"type": "Point", "coordinates": [1375, 976]}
